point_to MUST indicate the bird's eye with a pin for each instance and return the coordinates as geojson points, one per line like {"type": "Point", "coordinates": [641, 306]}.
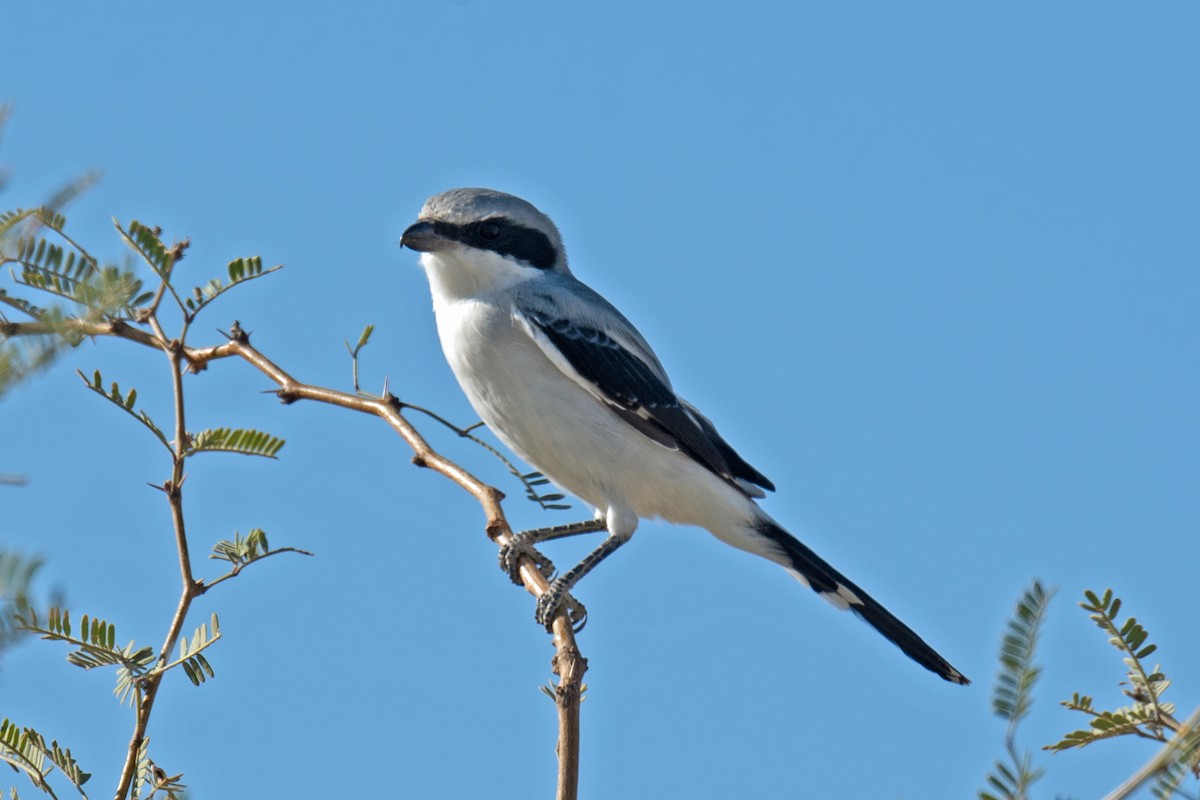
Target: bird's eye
{"type": "Point", "coordinates": [489, 230]}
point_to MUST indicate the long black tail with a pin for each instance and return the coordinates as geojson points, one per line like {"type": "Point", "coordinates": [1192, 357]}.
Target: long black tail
{"type": "Point", "coordinates": [835, 587]}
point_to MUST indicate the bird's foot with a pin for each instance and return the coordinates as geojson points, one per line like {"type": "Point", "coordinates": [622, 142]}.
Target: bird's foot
{"type": "Point", "coordinates": [510, 560]}
{"type": "Point", "coordinates": [549, 603]}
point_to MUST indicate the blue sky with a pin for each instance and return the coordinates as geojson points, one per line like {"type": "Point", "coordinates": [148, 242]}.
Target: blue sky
{"type": "Point", "coordinates": [932, 267]}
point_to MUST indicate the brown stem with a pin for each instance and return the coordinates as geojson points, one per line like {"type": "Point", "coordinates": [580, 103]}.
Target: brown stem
{"type": "Point", "coordinates": [568, 663]}
{"type": "Point", "coordinates": [191, 589]}
{"type": "Point", "coordinates": [1160, 761]}
{"type": "Point", "coordinates": [118, 328]}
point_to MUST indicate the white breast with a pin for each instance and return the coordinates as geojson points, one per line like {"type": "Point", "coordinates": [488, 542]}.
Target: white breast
{"type": "Point", "coordinates": [564, 431]}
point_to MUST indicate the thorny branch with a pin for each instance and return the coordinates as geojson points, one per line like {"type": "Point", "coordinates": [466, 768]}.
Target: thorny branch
{"type": "Point", "coordinates": [146, 693]}
{"type": "Point", "coordinates": [568, 663]}
{"type": "Point", "coordinates": [1160, 761]}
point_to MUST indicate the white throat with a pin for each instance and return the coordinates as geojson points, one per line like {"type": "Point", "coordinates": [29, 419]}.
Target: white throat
{"type": "Point", "coordinates": [463, 273]}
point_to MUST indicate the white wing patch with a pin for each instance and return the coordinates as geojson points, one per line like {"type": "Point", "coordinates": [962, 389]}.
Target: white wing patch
{"type": "Point", "coordinates": [555, 355]}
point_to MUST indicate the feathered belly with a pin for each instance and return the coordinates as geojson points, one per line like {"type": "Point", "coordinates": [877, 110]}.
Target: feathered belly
{"type": "Point", "coordinates": [566, 432]}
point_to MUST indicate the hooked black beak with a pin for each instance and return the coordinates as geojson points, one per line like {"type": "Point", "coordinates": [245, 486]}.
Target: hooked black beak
{"type": "Point", "coordinates": [423, 238]}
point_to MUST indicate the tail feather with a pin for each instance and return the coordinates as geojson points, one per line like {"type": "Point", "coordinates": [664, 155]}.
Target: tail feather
{"type": "Point", "coordinates": [835, 587]}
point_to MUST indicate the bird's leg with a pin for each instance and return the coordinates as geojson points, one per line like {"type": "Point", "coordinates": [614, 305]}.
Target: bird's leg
{"type": "Point", "coordinates": [522, 544]}
{"type": "Point", "coordinates": [557, 594]}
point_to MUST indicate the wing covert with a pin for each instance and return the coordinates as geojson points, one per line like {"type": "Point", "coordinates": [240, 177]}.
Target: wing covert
{"type": "Point", "coordinates": [638, 392]}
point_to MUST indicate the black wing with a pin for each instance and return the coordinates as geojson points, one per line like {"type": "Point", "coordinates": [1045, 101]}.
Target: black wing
{"type": "Point", "coordinates": [636, 392]}
{"type": "Point", "coordinates": [737, 464]}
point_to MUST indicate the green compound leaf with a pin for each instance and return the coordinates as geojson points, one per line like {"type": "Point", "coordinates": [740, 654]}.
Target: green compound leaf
{"type": "Point", "coordinates": [235, 440]}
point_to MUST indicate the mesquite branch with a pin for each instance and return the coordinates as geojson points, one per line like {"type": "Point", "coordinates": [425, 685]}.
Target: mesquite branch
{"type": "Point", "coordinates": [568, 663]}
{"type": "Point", "coordinates": [146, 693]}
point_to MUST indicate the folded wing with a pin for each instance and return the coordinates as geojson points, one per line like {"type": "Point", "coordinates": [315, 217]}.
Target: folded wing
{"type": "Point", "coordinates": [634, 386]}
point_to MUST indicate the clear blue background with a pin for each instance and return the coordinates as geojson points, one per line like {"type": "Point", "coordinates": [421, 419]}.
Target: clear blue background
{"type": "Point", "coordinates": [932, 267]}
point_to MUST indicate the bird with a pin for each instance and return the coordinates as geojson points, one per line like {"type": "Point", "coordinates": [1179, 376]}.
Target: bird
{"type": "Point", "coordinates": [569, 384]}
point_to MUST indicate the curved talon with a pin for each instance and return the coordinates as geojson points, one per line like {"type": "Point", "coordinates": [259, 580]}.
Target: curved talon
{"type": "Point", "coordinates": [510, 560]}
{"type": "Point", "coordinates": [576, 612]}
{"type": "Point", "coordinates": [549, 603]}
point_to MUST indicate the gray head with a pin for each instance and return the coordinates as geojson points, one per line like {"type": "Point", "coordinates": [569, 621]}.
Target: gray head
{"type": "Point", "coordinates": [487, 220]}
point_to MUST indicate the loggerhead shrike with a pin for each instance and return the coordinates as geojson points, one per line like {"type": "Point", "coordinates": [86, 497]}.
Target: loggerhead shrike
{"type": "Point", "coordinates": [569, 384]}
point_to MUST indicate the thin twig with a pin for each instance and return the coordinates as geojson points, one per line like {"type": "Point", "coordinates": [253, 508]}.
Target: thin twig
{"type": "Point", "coordinates": [119, 328]}
{"type": "Point", "coordinates": [530, 491]}
{"type": "Point", "coordinates": [190, 589]}
{"type": "Point", "coordinates": [568, 663]}
{"type": "Point", "coordinates": [1159, 762]}
{"type": "Point", "coordinates": [178, 661]}
{"type": "Point", "coordinates": [30, 769]}
{"type": "Point", "coordinates": [165, 277]}
{"type": "Point", "coordinates": [237, 568]}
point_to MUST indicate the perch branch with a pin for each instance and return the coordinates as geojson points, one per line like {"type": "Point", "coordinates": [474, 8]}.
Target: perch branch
{"type": "Point", "coordinates": [569, 663]}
